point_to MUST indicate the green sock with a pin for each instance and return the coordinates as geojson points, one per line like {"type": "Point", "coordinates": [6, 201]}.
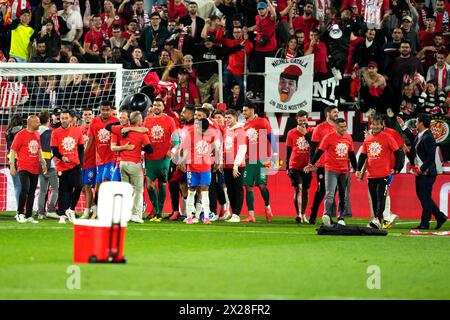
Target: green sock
{"type": "Point", "coordinates": [266, 197]}
{"type": "Point", "coordinates": [154, 199]}
{"type": "Point", "coordinates": [250, 197]}
{"type": "Point", "coordinates": [161, 196]}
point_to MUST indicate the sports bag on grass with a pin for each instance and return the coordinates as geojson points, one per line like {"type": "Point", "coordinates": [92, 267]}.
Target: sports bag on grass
{"type": "Point", "coordinates": [338, 230]}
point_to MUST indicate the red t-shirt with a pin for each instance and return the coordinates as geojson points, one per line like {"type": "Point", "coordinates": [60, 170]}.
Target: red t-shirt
{"type": "Point", "coordinates": [67, 141]}
{"type": "Point", "coordinates": [257, 130]}
{"type": "Point", "coordinates": [160, 132]}
{"type": "Point", "coordinates": [116, 135]}
{"type": "Point", "coordinates": [102, 139]}
{"type": "Point", "coordinates": [175, 12]}
{"type": "Point", "coordinates": [300, 149]}
{"type": "Point", "coordinates": [95, 39]}
{"type": "Point", "coordinates": [135, 138]}
{"type": "Point", "coordinates": [300, 23]}
{"type": "Point", "coordinates": [233, 139]}
{"type": "Point", "coordinates": [265, 27]}
{"type": "Point", "coordinates": [336, 149]}
{"type": "Point", "coordinates": [320, 131]}
{"type": "Point", "coordinates": [27, 146]}
{"type": "Point", "coordinates": [89, 157]}
{"type": "Point", "coordinates": [379, 149]}
{"type": "Point", "coordinates": [198, 148]}
{"type": "Point", "coordinates": [426, 38]}
{"type": "Point", "coordinates": [398, 139]}
{"type": "Point", "coordinates": [320, 57]}
{"type": "Point", "coordinates": [118, 20]}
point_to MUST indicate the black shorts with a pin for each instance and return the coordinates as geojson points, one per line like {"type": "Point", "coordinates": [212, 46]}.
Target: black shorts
{"type": "Point", "coordinates": [300, 177]}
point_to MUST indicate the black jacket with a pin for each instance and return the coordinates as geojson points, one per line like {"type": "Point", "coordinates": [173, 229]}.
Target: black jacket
{"type": "Point", "coordinates": [426, 149]}
{"type": "Point", "coordinates": [199, 25]}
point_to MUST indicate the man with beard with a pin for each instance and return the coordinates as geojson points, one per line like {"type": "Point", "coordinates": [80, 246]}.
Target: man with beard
{"type": "Point", "coordinates": [152, 36]}
{"type": "Point", "coordinates": [163, 137]}
{"type": "Point", "coordinates": [68, 149]}
{"type": "Point", "coordinates": [192, 19]}
{"type": "Point", "coordinates": [306, 22]}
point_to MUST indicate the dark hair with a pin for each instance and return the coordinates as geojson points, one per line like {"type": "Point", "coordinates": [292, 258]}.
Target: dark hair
{"type": "Point", "coordinates": [219, 112]}
{"type": "Point", "coordinates": [405, 41]}
{"type": "Point", "coordinates": [302, 113]}
{"type": "Point", "coordinates": [160, 100]}
{"type": "Point", "coordinates": [103, 48]}
{"type": "Point", "coordinates": [377, 118]}
{"type": "Point", "coordinates": [87, 109]}
{"type": "Point", "coordinates": [189, 107]}
{"type": "Point", "coordinates": [67, 111]}
{"type": "Point", "coordinates": [232, 112]}
{"type": "Point", "coordinates": [328, 109]}
{"type": "Point", "coordinates": [425, 119]}
{"type": "Point", "coordinates": [105, 103]}
{"type": "Point", "coordinates": [438, 34]}
{"type": "Point", "coordinates": [204, 124]}
{"type": "Point", "coordinates": [204, 110]}
{"type": "Point", "coordinates": [44, 117]}
{"type": "Point", "coordinates": [340, 120]}
{"type": "Point", "coordinates": [249, 105]}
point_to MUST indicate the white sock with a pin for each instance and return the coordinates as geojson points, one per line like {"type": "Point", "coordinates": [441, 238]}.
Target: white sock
{"type": "Point", "coordinates": [87, 210]}
{"type": "Point", "coordinates": [251, 213]}
{"type": "Point", "coordinates": [227, 200]}
{"type": "Point", "coordinates": [205, 204]}
{"type": "Point", "coordinates": [190, 205]}
{"type": "Point", "coordinates": [387, 209]}
{"type": "Point", "coordinates": [198, 209]}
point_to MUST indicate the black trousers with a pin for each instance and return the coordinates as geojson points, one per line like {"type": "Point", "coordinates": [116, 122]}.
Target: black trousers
{"type": "Point", "coordinates": [70, 185]}
{"type": "Point", "coordinates": [215, 191]}
{"type": "Point", "coordinates": [174, 189]}
{"type": "Point", "coordinates": [235, 190]}
{"type": "Point", "coordinates": [29, 183]}
{"type": "Point", "coordinates": [378, 191]}
{"type": "Point", "coordinates": [424, 187]}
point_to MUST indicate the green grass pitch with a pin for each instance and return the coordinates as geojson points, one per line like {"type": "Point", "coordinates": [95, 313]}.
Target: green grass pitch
{"type": "Point", "coordinates": [280, 260]}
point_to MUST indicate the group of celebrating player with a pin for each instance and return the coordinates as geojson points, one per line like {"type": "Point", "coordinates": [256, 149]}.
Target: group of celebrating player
{"type": "Point", "coordinates": [206, 157]}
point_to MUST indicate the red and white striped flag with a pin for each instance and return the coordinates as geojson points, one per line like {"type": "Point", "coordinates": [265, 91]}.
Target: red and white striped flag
{"type": "Point", "coordinates": [12, 93]}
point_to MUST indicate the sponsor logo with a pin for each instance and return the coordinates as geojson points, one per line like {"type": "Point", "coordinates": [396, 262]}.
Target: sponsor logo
{"type": "Point", "coordinates": [33, 147]}
{"type": "Point", "coordinates": [341, 150]}
{"type": "Point", "coordinates": [68, 144]}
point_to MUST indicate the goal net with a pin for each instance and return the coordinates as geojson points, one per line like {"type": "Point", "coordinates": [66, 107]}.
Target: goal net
{"type": "Point", "coordinates": [29, 88]}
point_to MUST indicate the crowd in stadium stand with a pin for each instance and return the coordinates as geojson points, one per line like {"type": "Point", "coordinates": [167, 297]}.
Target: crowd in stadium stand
{"type": "Point", "coordinates": [391, 54]}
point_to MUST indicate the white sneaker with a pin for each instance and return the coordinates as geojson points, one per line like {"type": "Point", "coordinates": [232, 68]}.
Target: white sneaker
{"type": "Point", "coordinates": [234, 218]}
{"type": "Point", "coordinates": [62, 219]}
{"type": "Point", "coordinates": [393, 217]}
{"type": "Point", "coordinates": [228, 216]}
{"type": "Point", "coordinates": [41, 216]}
{"type": "Point", "coordinates": [375, 224]}
{"type": "Point", "coordinates": [195, 220]}
{"type": "Point", "coordinates": [85, 214]}
{"type": "Point", "coordinates": [326, 220]}
{"type": "Point", "coordinates": [71, 215]}
{"type": "Point", "coordinates": [341, 222]}
{"type": "Point", "coordinates": [304, 219]}
{"type": "Point", "coordinates": [213, 217]}
{"type": "Point", "coordinates": [52, 215]}
{"type": "Point", "coordinates": [94, 212]}
{"type": "Point", "coordinates": [137, 219]}
{"type": "Point", "coordinates": [20, 218]}
{"type": "Point", "coordinates": [31, 220]}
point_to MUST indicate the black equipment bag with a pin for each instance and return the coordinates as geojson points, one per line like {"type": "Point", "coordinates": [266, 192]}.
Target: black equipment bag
{"type": "Point", "coordinates": [338, 230]}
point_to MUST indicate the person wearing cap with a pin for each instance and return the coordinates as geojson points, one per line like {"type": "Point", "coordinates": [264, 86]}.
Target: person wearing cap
{"type": "Point", "coordinates": [74, 22]}
{"type": "Point", "coordinates": [186, 92]}
{"type": "Point", "coordinates": [208, 79]}
{"type": "Point", "coordinates": [410, 34]}
{"type": "Point", "coordinates": [152, 37]}
{"type": "Point", "coordinates": [192, 19]}
{"type": "Point", "coordinates": [288, 83]}
{"type": "Point", "coordinates": [265, 46]}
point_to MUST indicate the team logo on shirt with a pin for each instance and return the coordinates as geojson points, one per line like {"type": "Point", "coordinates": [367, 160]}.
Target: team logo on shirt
{"type": "Point", "coordinates": [252, 135]}
{"type": "Point", "coordinates": [228, 142]}
{"type": "Point", "coordinates": [341, 150]}
{"type": "Point", "coordinates": [375, 149]}
{"type": "Point", "coordinates": [302, 144]}
{"type": "Point", "coordinates": [68, 144]}
{"type": "Point", "coordinates": [157, 132]}
{"type": "Point", "coordinates": [103, 136]}
{"type": "Point", "coordinates": [201, 148]}
{"type": "Point", "coordinates": [33, 146]}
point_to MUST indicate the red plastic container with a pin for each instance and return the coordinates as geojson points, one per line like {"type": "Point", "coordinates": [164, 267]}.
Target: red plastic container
{"type": "Point", "coordinates": [92, 242]}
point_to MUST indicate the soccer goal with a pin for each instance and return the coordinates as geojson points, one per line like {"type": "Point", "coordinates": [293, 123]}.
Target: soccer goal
{"type": "Point", "coordinates": [29, 88]}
